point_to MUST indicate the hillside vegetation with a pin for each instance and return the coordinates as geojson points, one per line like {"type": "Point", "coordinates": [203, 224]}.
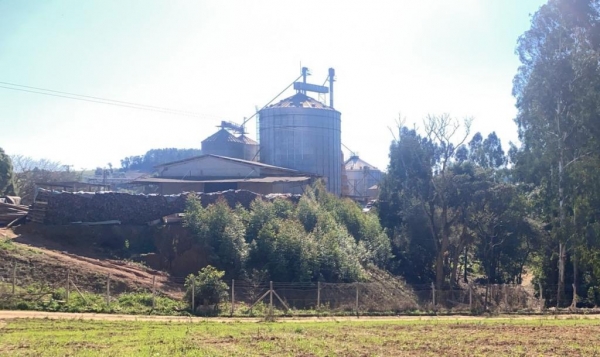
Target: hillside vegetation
{"type": "Point", "coordinates": [321, 238]}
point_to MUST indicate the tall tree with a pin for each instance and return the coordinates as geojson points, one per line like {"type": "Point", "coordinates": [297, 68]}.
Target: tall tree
{"type": "Point", "coordinates": [556, 91]}
{"type": "Point", "coordinates": [447, 134]}
{"type": "Point", "coordinates": [404, 188]}
{"type": "Point", "coordinates": [420, 189]}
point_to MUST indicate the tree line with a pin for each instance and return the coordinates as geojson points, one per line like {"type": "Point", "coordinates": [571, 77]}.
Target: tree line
{"type": "Point", "coordinates": [155, 157]}
{"type": "Point", "coordinates": [452, 205]}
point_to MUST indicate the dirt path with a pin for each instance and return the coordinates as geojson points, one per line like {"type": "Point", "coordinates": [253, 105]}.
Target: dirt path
{"type": "Point", "coordinates": [129, 274]}
{"type": "Point", "coordinates": [11, 315]}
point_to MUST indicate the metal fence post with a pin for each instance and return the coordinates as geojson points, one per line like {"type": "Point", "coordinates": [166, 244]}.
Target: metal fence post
{"type": "Point", "coordinates": [271, 298]}
{"type": "Point", "coordinates": [232, 296]}
{"type": "Point", "coordinates": [68, 284]}
{"type": "Point", "coordinates": [14, 276]}
{"type": "Point", "coordinates": [433, 294]}
{"type": "Point", "coordinates": [318, 295]}
{"type": "Point", "coordinates": [153, 291]}
{"type": "Point", "coordinates": [108, 290]}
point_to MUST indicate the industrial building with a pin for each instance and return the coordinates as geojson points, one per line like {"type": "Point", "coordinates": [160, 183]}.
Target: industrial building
{"type": "Point", "coordinates": [298, 140]}
{"type": "Point", "coordinates": [212, 173]}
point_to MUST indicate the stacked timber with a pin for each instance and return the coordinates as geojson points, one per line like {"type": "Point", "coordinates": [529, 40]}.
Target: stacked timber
{"type": "Point", "coordinates": [84, 207]}
{"type": "Point", "coordinates": [11, 213]}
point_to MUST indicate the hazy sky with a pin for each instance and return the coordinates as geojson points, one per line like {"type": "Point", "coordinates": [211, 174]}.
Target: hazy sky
{"type": "Point", "coordinates": [220, 59]}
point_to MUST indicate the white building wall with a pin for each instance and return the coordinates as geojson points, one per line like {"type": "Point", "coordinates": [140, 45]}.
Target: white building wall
{"type": "Point", "coordinates": [209, 167]}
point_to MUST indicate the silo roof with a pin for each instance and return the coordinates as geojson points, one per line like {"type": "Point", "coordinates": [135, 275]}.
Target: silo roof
{"type": "Point", "coordinates": [356, 163]}
{"type": "Point", "coordinates": [222, 136]}
{"type": "Point", "coordinates": [246, 140]}
{"type": "Point", "coordinates": [300, 100]}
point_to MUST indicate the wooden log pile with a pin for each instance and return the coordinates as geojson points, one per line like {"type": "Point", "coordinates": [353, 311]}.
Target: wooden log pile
{"type": "Point", "coordinates": [11, 212]}
{"type": "Point", "coordinates": [66, 208]}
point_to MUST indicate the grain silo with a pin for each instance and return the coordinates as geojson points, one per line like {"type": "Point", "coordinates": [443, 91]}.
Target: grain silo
{"type": "Point", "coordinates": [251, 148]}
{"type": "Point", "coordinates": [361, 178]}
{"type": "Point", "coordinates": [223, 143]}
{"type": "Point", "coordinates": [302, 133]}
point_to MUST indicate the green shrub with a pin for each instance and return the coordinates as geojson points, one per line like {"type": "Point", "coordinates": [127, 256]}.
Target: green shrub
{"type": "Point", "coordinates": [207, 288]}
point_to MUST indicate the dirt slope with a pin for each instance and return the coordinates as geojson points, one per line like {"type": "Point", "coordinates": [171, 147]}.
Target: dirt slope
{"type": "Point", "coordinates": [39, 261]}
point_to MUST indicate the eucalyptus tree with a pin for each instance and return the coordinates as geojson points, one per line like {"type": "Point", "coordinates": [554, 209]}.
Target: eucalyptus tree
{"type": "Point", "coordinates": [556, 88]}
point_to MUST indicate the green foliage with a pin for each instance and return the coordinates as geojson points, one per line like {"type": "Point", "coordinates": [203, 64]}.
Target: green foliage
{"type": "Point", "coordinates": [6, 174]}
{"type": "Point", "coordinates": [322, 237]}
{"type": "Point", "coordinates": [443, 206]}
{"type": "Point", "coordinates": [208, 288]}
{"type": "Point", "coordinates": [56, 301]}
{"type": "Point", "coordinates": [219, 229]}
{"type": "Point", "coordinates": [557, 92]}
{"type": "Point", "coordinates": [285, 250]}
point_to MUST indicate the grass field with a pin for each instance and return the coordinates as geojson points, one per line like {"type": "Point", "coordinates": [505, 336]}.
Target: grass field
{"type": "Point", "coordinates": [448, 337]}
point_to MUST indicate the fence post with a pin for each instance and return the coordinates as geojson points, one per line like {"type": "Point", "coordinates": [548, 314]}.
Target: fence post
{"type": "Point", "coordinates": [505, 296]}
{"type": "Point", "coordinates": [232, 296]}
{"type": "Point", "coordinates": [318, 295]}
{"type": "Point", "coordinates": [485, 301]}
{"type": "Point", "coordinates": [271, 298]}
{"type": "Point", "coordinates": [153, 291]}
{"type": "Point", "coordinates": [193, 295]}
{"type": "Point", "coordinates": [433, 294]}
{"type": "Point", "coordinates": [68, 284]}
{"type": "Point", "coordinates": [541, 297]}
{"type": "Point", "coordinates": [470, 297]}
{"type": "Point", "coordinates": [357, 299]}
{"type": "Point", "coordinates": [108, 290]}
{"type": "Point", "coordinates": [14, 276]}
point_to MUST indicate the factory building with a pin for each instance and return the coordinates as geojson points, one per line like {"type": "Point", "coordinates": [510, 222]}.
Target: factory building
{"type": "Point", "coordinates": [298, 141]}
{"type": "Point", "coordinates": [212, 173]}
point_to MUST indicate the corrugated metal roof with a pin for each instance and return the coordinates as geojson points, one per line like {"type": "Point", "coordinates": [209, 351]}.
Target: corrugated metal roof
{"type": "Point", "coordinates": [300, 100]}
{"type": "Point", "coordinates": [274, 179]}
{"type": "Point", "coordinates": [247, 140]}
{"type": "Point", "coordinates": [222, 136]}
{"type": "Point", "coordinates": [241, 161]}
{"type": "Point", "coordinates": [356, 163]}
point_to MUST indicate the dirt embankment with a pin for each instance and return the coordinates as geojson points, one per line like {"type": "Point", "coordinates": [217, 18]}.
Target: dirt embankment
{"type": "Point", "coordinates": [40, 261]}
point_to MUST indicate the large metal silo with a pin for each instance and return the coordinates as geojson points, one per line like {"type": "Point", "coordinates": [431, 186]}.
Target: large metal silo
{"type": "Point", "coordinates": [302, 133]}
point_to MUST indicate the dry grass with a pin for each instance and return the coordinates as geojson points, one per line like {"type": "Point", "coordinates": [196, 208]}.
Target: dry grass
{"type": "Point", "coordinates": [448, 337]}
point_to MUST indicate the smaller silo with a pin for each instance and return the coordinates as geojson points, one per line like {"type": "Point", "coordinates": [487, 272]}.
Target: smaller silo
{"type": "Point", "coordinates": [361, 177]}
{"type": "Point", "coordinates": [251, 148]}
{"type": "Point", "coordinates": [223, 143]}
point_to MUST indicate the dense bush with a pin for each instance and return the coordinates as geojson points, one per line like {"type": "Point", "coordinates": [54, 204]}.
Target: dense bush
{"type": "Point", "coordinates": [207, 287]}
{"type": "Point", "coordinates": [320, 238]}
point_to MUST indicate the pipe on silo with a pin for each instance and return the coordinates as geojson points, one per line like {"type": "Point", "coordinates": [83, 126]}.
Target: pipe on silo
{"type": "Point", "coordinates": [331, 80]}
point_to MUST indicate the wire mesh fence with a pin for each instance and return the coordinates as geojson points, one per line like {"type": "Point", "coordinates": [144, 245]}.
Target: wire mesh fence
{"type": "Point", "coordinates": [23, 286]}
